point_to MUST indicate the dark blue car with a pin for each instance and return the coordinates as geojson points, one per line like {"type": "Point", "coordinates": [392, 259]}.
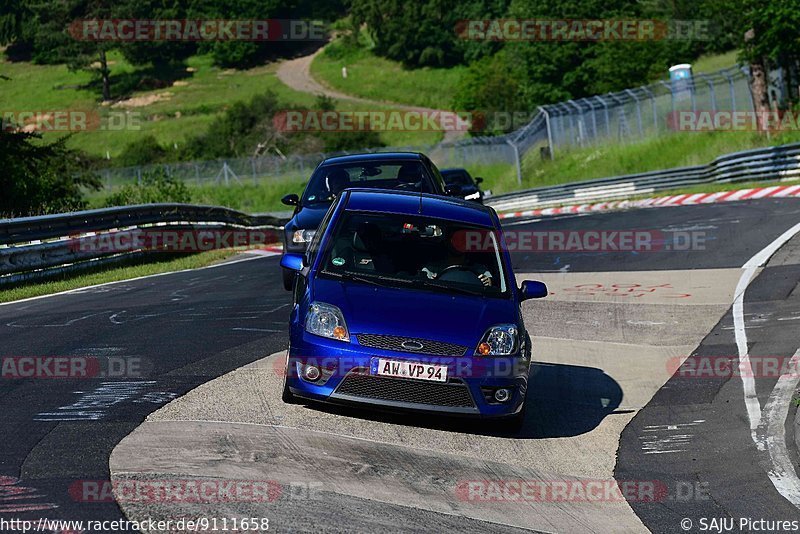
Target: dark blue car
{"type": "Point", "coordinates": [408, 301]}
{"type": "Point", "coordinates": [403, 171]}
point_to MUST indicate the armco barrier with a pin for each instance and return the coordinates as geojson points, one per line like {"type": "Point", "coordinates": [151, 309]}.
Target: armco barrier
{"type": "Point", "coordinates": [36, 247]}
{"type": "Point", "coordinates": [772, 163]}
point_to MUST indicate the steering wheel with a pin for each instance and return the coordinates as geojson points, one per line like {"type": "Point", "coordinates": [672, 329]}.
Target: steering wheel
{"type": "Point", "coordinates": [408, 186]}
{"type": "Point", "coordinates": [462, 268]}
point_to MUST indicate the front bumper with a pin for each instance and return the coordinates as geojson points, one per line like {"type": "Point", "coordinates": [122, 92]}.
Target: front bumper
{"type": "Point", "coordinates": [346, 379]}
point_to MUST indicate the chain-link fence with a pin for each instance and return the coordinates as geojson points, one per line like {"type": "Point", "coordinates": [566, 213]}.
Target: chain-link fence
{"type": "Point", "coordinates": [632, 114]}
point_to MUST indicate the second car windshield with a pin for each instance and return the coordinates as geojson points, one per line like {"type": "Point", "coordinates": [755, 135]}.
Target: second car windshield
{"type": "Point", "coordinates": [413, 251]}
{"type": "Point", "coordinates": [329, 180]}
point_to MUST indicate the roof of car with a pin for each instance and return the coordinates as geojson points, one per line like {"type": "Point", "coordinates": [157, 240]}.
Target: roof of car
{"type": "Point", "coordinates": [373, 156]}
{"type": "Point", "coordinates": [408, 203]}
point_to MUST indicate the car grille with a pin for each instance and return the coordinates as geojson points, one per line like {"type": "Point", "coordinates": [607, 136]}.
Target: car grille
{"type": "Point", "coordinates": [453, 394]}
{"type": "Point", "coordinates": [435, 348]}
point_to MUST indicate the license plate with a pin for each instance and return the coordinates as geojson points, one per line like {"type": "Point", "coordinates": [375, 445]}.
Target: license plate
{"type": "Point", "coordinates": [416, 370]}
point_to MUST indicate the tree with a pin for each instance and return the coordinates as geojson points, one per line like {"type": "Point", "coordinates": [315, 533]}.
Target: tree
{"type": "Point", "coordinates": [40, 178]}
{"type": "Point", "coordinates": [424, 33]}
{"type": "Point", "coordinates": [772, 39]}
{"type": "Point", "coordinates": [59, 38]}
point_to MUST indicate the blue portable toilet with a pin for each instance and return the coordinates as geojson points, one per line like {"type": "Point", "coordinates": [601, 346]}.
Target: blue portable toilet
{"type": "Point", "coordinates": [680, 77]}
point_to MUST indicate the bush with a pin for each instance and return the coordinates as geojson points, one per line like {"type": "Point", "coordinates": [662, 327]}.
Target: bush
{"type": "Point", "coordinates": [154, 187]}
{"type": "Point", "coordinates": [41, 178]}
{"type": "Point", "coordinates": [143, 151]}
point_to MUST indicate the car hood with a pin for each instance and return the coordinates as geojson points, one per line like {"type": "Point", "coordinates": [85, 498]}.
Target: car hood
{"type": "Point", "coordinates": [454, 318]}
{"type": "Point", "coordinates": [309, 217]}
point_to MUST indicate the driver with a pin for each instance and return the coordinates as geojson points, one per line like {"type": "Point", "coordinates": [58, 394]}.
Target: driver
{"type": "Point", "coordinates": [456, 261]}
{"type": "Point", "coordinates": [409, 176]}
{"type": "Point", "coordinates": [337, 181]}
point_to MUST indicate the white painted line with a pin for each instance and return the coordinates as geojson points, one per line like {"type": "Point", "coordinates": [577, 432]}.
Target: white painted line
{"type": "Point", "coordinates": [713, 197]}
{"type": "Point", "coordinates": [691, 199]}
{"type": "Point", "coordinates": [773, 432]}
{"type": "Point", "coordinates": [788, 191]}
{"type": "Point", "coordinates": [787, 483]}
{"type": "Point", "coordinates": [78, 289]}
{"type": "Point", "coordinates": [736, 195]}
{"type": "Point", "coordinates": [765, 192]}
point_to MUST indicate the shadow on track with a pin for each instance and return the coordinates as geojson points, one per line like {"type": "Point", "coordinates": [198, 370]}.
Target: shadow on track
{"type": "Point", "coordinates": [563, 401]}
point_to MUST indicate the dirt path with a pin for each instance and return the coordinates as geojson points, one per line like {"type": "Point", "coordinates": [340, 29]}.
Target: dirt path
{"type": "Point", "coordinates": [296, 73]}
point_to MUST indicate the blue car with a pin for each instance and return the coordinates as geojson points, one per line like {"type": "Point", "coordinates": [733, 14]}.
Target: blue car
{"type": "Point", "coordinates": [405, 171]}
{"type": "Point", "coordinates": [407, 301]}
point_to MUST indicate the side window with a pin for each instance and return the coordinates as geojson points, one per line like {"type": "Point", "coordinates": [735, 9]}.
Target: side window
{"type": "Point", "coordinates": [437, 176]}
{"type": "Point", "coordinates": [313, 247]}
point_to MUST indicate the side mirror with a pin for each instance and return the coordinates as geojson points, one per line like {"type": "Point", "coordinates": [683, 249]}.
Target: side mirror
{"type": "Point", "coordinates": [291, 200]}
{"type": "Point", "coordinates": [293, 262]}
{"type": "Point", "coordinates": [452, 190]}
{"type": "Point", "coordinates": [533, 289]}
{"type": "Point", "coordinates": [479, 180]}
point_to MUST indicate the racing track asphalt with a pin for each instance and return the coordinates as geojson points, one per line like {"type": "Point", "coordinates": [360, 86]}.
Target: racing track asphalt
{"type": "Point", "coordinates": [603, 354]}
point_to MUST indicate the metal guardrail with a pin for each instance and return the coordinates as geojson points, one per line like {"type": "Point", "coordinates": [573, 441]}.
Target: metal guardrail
{"type": "Point", "coordinates": [772, 163]}
{"type": "Point", "coordinates": [38, 247]}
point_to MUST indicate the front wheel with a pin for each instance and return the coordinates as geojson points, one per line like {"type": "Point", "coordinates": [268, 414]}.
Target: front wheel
{"type": "Point", "coordinates": [287, 396]}
{"type": "Point", "coordinates": [515, 423]}
{"type": "Point", "coordinates": [288, 279]}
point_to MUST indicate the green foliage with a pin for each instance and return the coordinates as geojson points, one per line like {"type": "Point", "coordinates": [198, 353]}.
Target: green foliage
{"type": "Point", "coordinates": [143, 151]}
{"type": "Point", "coordinates": [239, 131]}
{"type": "Point", "coordinates": [155, 186]}
{"type": "Point", "coordinates": [40, 178]}
{"type": "Point", "coordinates": [775, 26]}
{"type": "Point", "coordinates": [423, 33]}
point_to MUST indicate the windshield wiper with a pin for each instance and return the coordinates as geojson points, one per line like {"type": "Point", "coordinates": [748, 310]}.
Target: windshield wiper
{"type": "Point", "coordinates": [455, 289]}
{"type": "Point", "coordinates": [374, 280]}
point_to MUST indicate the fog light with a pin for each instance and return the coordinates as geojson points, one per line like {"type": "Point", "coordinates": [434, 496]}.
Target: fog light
{"type": "Point", "coordinates": [311, 373]}
{"type": "Point", "coordinates": [502, 395]}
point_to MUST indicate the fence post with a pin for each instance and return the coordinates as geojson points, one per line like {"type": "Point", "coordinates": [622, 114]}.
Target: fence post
{"type": "Point", "coordinates": [653, 103]}
{"type": "Point", "coordinates": [546, 114]}
{"type": "Point", "coordinates": [638, 110]}
{"type": "Point", "coordinates": [711, 91]}
{"type": "Point", "coordinates": [732, 90]}
{"type": "Point", "coordinates": [516, 159]}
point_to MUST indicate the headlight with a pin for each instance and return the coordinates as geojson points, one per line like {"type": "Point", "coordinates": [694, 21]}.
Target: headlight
{"type": "Point", "coordinates": [303, 236]}
{"type": "Point", "coordinates": [327, 321]}
{"type": "Point", "coordinates": [500, 340]}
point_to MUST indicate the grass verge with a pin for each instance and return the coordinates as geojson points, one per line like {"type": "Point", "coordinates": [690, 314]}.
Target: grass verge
{"type": "Point", "coordinates": [113, 274]}
{"type": "Point", "coordinates": [192, 98]}
{"type": "Point", "coordinates": [664, 152]}
{"type": "Point", "coordinates": [380, 79]}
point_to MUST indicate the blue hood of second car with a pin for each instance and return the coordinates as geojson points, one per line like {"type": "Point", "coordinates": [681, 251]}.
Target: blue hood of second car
{"type": "Point", "coordinates": [454, 318]}
{"type": "Point", "coordinates": [309, 217]}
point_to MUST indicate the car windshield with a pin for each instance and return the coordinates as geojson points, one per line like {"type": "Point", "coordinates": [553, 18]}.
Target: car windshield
{"type": "Point", "coordinates": [456, 178]}
{"type": "Point", "coordinates": [330, 180]}
{"type": "Point", "coordinates": [414, 251]}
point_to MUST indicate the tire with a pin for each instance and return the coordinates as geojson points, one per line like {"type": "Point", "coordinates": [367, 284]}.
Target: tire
{"type": "Point", "coordinates": [287, 396]}
{"type": "Point", "coordinates": [515, 423]}
{"type": "Point", "coordinates": [288, 279]}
